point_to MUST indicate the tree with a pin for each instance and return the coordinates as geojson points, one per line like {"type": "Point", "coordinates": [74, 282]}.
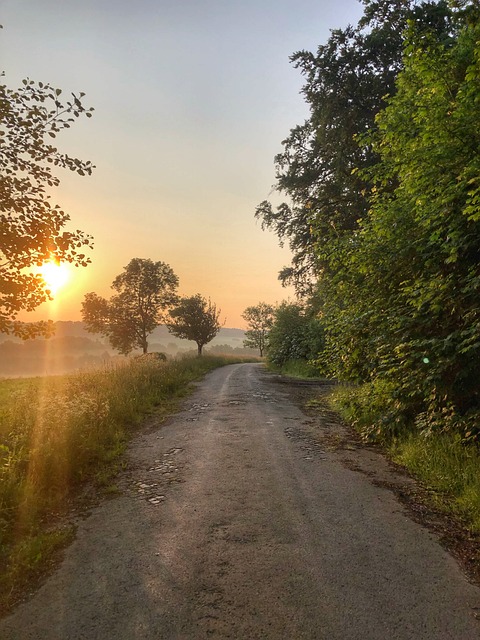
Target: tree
{"type": "Point", "coordinates": [428, 139]}
{"type": "Point", "coordinates": [401, 312]}
{"type": "Point", "coordinates": [346, 84]}
{"type": "Point", "coordinates": [195, 319]}
{"type": "Point", "coordinates": [33, 230]}
{"type": "Point", "coordinates": [145, 290]}
{"type": "Point", "coordinates": [296, 334]}
{"type": "Point", "coordinates": [259, 319]}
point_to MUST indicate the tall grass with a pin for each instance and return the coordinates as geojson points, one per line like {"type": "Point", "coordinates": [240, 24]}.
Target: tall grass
{"type": "Point", "coordinates": [448, 466]}
{"type": "Point", "coordinates": [296, 369]}
{"type": "Point", "coordinates": [58, 432]}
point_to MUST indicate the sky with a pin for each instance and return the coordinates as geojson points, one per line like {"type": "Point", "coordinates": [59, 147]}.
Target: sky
{"type": "Point", "coordinates": [192, 100]}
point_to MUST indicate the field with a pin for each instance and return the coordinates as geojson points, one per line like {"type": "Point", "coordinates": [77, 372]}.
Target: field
{"type": "Point", "coordinates": [57, 434]}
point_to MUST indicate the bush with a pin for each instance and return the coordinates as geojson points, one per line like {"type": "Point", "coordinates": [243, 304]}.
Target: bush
{"type": "Point", "coordinates": [374, 409]}
{"type": "Point", "coordinates": [295, 335]}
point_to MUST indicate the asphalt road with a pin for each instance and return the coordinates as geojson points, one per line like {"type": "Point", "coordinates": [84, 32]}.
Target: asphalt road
{"type": "Point", "coordinates": [236, 521]}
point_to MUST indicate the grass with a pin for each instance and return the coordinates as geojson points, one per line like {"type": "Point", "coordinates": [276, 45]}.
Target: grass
{"type": "Point", "coordinates": [444, 464]}
{"type": "Point", "coordinates": [58, 433]}
{"type": "Point", "coordinates": [448, 466]}
{"type": "Point", "coordinates": [296, 369]}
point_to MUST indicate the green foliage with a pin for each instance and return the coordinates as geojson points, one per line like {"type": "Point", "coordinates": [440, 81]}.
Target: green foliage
{"type": "Point", "coordinates": [396, 253]}
{"type": "Point", "coordinates": [447, 466]}
{"type": "Point", "coordinates": [346, 82]}
{"type": "Point", "coordinates": [413, 274]}
{"type": "Point", "coordinates": [296, 334]}
{"type": "Point", "coordinates": [145, 290]}
{"type": "Point", "coordinates": [33, 229]}
{"type": "Point", "coordinates": [374, 409]}
{"type": "Point", "coordinates": [259, 320]}
{"type": "Point", "coordinates": [195, 319]}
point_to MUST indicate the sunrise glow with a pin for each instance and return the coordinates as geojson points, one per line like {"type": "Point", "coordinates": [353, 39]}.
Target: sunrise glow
{"type": "Point", "coordinates": [55, 276]}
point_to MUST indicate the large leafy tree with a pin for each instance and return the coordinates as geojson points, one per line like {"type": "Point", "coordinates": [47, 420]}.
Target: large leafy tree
{"type": "Point", "coordinates": [384, 214]}
{"type": "Point", "coordinates": [33, 230]}
{"type": "Point", "coordinates": [346, 82]}
{"type": "Point", "coordinates": [259, 320]}
{"type": "Point", "coordinates": [196, 319]}
{"type": "Point", "coordinates": [429, 139]}
{"type": "Point", "coordinates": [402, 310]}
{"type": "Point", "coordinates": [144, 291]}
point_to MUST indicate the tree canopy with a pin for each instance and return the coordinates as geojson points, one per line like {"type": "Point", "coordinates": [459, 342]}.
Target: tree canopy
{"type": "Point", "coordinates": [196, 319]}
{"type": "Point", "coordinates": [346, 83]}
{"type": "Point", "coordinates": [385, 191]}
{"type": "Point", "coordinates": [33, 229]}
{"type": "Point", "coordinates": [144, 291]}
{"type": "Point", "coordinates": [259, 320]}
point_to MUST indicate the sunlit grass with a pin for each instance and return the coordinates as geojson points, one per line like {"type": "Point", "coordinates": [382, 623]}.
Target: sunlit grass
{"type": "Point", "coordinates": [58, 432]}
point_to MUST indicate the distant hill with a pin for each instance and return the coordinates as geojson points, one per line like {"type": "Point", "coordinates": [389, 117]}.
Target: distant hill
{"type": "Point", "coordinates": [161, 334]}
{"type": "Point", "coordinates": [72, 347]}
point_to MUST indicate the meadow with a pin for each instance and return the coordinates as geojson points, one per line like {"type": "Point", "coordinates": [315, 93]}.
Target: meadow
{"type": "Point", "coordinates": [59, 434]}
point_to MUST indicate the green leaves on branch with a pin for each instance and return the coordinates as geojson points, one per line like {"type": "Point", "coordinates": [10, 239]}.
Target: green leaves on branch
{"type": "Point", "coordinates": [346, 82]}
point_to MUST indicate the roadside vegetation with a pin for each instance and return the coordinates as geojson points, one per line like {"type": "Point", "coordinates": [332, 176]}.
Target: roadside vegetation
{"type": "Point", "coordinates": [59, 434]}
{"type": "Point", "coordinates": [382, 215]}
{"type": "Point", "coordinates": [444, 463]}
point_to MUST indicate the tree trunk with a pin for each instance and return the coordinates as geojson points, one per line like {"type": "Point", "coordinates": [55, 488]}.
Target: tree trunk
{"type": "Point", "coordinates": [144, 341]}
{"type": "Point", "coordinates": [200, 347]}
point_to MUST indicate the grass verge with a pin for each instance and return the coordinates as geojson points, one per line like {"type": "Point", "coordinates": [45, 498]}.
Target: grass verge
{"type": "Point", "coordinates": [295, 369]}
{"type": "Point", "coordinates": [446, 466]}
{"type": "Point", "coordinates": [451, 468]}
{"type": "Point", "coordinates": [59, 433]}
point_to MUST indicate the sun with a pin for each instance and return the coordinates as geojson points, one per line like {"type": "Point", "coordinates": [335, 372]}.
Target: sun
{"type": "Point", "coordinates": [54, 275]}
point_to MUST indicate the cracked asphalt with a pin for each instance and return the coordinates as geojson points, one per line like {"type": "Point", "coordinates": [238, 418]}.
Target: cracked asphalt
{"type": "Point", "coordinates": [236, 520]}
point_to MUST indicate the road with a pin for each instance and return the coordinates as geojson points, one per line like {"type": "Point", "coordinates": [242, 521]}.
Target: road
{"type": "Point", "coordinates": [236, 520]}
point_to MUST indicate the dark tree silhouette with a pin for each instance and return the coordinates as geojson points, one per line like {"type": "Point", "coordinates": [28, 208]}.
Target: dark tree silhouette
{"type": "Point", "coordinates": [145, 290]}
{"type": "Point", "coordinates": [33, 229]}
{"type": "Point", "coordinates": [195, 319]}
